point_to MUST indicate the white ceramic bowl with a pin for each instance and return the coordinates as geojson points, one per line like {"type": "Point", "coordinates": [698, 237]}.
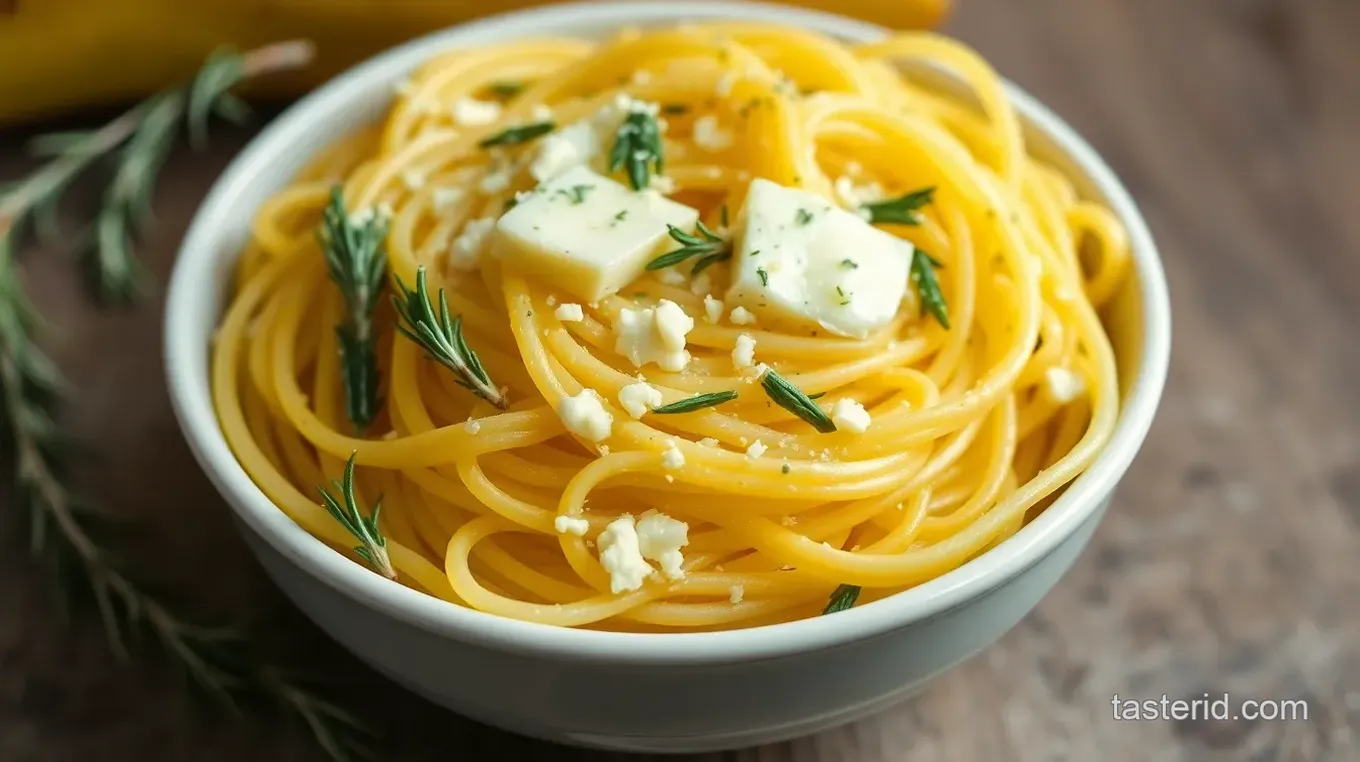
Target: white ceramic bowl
{"type": "Point", "coordinates": [674, 692]}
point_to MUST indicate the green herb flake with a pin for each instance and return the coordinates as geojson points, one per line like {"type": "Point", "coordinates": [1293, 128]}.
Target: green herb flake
{"type": "Point", "coordinates": [803, 217]}
{"type": "Point", "coordinates": [764, 276]}
{"type": "Point", "coordinates": [576, 194]}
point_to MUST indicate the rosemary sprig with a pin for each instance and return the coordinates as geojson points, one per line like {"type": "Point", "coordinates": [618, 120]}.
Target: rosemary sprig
{"type": "Point", "coordinates": [792, 399]}
{"type": "Point", "coordinates": [357, 262]}
{"type": "Point", "coordinates": [145, 134]}
{"type": "Point", "coordinates": [513, 136]}
{"type": "Point", "coordinates": [697, 402]}
{"type": "Point", "coordinates": [901, 210]}
{"type": "Point", "coordinates": [923, 267]}
{"type": "Point", "coordinates": [708, 246]}
{"type": "Point", "coordinates": [372, 545]}
{"type": "Point", "coordinates": [63, 525]}
{"type": "Point", "coordinates": [637, 147]}
{"type": "Point", "coordinates": [442, 338]}
{"type": "Point", "coordinates": [842, 598]}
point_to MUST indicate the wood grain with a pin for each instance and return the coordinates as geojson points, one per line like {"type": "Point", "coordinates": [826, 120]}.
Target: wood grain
{"type": "Point", "coordinates": [1229, 562]}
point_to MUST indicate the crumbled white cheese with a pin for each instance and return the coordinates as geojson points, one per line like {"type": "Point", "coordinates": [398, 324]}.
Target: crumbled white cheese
{"type": "Point", "coordinates": [807, 264]}
{"type": "Point", "coordinates": [672, 458]}
{"type": "Point", "coordinates": [588, 234]}
{"type": "Point", "coordinates": [465, 253]}
{"type": "Point", "coordinates": [584, 415]}
{"type": "Point", "coordinates": [540, 113]}
{"type": "Point", "coordinates": [571, 525]}
{"type": "Point", "coordinates": [709, 136]}
{"type": "Point", "coordinates": [497, 179]}
{"type": "Point", "coordinates": [736, 593]}
{"type": "Point", "coordinates": [446, 197]}
{"type": "Point", "coordinates": [756, 450]}
{"type": "Point", "coordinates": [570, 146]}
{"type": "Point", "coordinates": [471, 112]}
{"type": "Point", "coordinates": [671, 277]}
{"type": "Point", "coordinates": [638, 398]}
{"type": "Point", "coordinates": [642, 77]}
{"type": "Point", "coordinates": [848, 414]}
{"type": "Point", "coordinates": [655, 334]}
{"type": "Point", "coordinates": [742, 316]}
{"type": "Point", "coordinates": [621, 557]}
{"type": "Point", "coordinates": [660, 539]}
{"type": "Point", "coordinates": [551, 300]}
{"type": "Point", "coordinates": [708, 442]}
{"type": "Point", "coordinates": [1063, 385]}
{"type": "Point", "coordinates": [713, 309]}
{"type": "Point", "coordinates": [853, 195]}
{"type": "Point", "coordinates": [570, 313]}
{"type": "Point", "coordinates": [472, 426]}
{"type": "Point", "coordinates": [413, 179]}
{"type": "Point", "coordinates": [744, 353]}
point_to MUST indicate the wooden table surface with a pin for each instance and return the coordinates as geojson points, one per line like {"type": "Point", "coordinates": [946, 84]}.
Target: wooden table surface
{"type": "Point", "coordinates": [1230, 562]}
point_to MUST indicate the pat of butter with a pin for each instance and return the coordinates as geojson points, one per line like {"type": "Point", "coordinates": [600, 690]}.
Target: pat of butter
{"type": "Point", "coordinates": [805, 263]}
{"type": "Point", "coordinates": [586, 234]}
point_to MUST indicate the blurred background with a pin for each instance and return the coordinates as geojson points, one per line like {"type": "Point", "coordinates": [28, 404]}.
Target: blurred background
{"type": "Point", "coordinates": [1228, 563]}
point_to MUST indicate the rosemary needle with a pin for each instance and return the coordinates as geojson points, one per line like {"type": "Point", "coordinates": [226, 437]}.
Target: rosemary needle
{"type": "Point", "coordinates": [697, 402]}
{"type": "Point", "coordinates": [357, 263]}
{"type": "Point", "coordinates": [442, 338]}
{"type": "Point", "coordinates": [842, 598]}
{"type": "Point", "coordinates": [372, 545]}
{"type": "Point", "coordinates": [792, 399]}
{"type": "Point", "coordinates": [514, 136]}
{"type": "Point", "coordinates": [901, 210]}
{"type": "Point", "coordinates": [923, 267]}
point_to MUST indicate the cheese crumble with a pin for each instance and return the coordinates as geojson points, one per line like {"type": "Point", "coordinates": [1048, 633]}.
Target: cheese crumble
{"type": "Point", "coordinates": [638, 398]}
{"type": "Point", "coordinates": [655, 334]}
{"type": "Point", "coordinates": [584, 415]}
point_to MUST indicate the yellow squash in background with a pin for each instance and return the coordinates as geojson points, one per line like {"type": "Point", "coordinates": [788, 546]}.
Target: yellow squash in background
{"type": "Point", "coordinates": [56, 55]}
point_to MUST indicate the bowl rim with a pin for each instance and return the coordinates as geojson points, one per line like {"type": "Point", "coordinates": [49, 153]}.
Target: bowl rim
{"type": "Point", "coordinates": [187, 362]}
